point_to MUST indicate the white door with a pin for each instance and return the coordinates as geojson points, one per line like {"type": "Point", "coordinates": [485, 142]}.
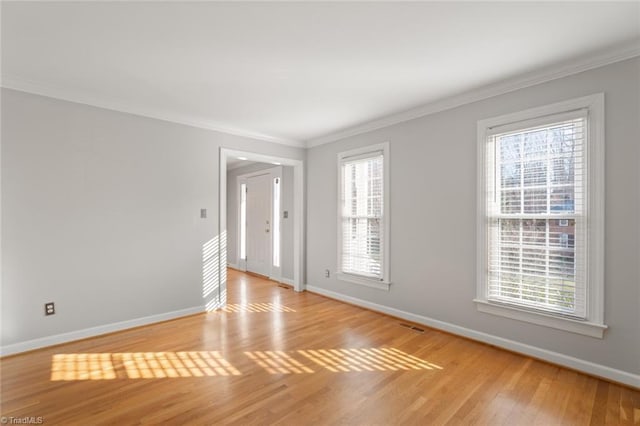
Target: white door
{"type": "Point", "coordinates": [259, 224]}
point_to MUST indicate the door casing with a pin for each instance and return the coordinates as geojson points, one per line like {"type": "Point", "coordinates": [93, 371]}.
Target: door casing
{"type": "Point", "coordinates": [298, 207]}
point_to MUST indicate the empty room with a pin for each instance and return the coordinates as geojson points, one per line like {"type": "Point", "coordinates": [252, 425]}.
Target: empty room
{"type": "Point", "coordinates": [333, 213]}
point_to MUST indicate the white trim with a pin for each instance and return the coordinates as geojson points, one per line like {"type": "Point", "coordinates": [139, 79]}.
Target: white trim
{"type": "Point", "coordinates": [287, 281]}
{"type": "Point", "coordinates": [233, 266]}
{"type": "Point", "coordinates": [367, 282]}
{"type": "Point", "coordinates": [567, 324]}
{"type": "Point", "coordinates": [57, 339]}
{"type": "Point", "coordinates": [298, 203]}
{"type": "Point", "coordinates": [584, 366]}
{"type": "Point", "coordinates": [299, 228]}
{"type": "Point", "coordinates": [242, 261]}
{"type": "Point", "coordinates": [276, 218]}
{"type": "Point", "coordinates": [564, 69]}
{"type": "Point", "coordinates": [265, 171]}
{"type": "Point", "coordinates": [363, 152]}
{"type": "Point", "coordinates": [594, 155]}
{"type": "Point", "coordinates": [283, 280]}
{"type": "Point", "coordinates": [70, 95]}
{"type": "Point", "coordinates": [273, 172]}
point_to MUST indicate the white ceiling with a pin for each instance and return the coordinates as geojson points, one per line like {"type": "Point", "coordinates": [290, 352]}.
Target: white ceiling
{"type": "Point", "coordinates": [236, 163]}
{"type": "Point", "coordinates": [293, 72]}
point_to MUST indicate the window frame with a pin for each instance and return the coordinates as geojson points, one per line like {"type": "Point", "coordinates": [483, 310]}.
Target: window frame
{"type": "Point", "coordinates": [385, 282]}
{"type": "Point", "coordinates": [593, 324]}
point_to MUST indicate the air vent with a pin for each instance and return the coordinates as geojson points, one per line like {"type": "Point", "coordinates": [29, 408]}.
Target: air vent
{"type": "Point", "coordinates": [412, 327]}
{"type": "Point", "coordinates": [286, 287]}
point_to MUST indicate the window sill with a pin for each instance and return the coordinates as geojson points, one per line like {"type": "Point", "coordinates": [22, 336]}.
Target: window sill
{"type": "Point", "coordinates": [575, 326]}
{"type": "Point", "coordinates": [367, 282]}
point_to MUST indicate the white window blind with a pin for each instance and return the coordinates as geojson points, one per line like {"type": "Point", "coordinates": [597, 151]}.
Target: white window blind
{"type": "Point", "coordinates": [536, 212]}
{"type": "Point", "coordinates": [362, 221]}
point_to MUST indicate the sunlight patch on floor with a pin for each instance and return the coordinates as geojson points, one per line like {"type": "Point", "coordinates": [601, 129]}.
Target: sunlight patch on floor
{"type": "Point", "coordinates": [139, 365]}
{"type": "Point", "coordinates": [366, 359]}
{"type": "Point", "coordinates": [160, 365]}
{"type": "Point", "coordinates": [278, 362]}
{"type": "Point", "coordinates": [256, 307]}
{"type": "Point", "coordinates": [82, 367]}
{"type": "Point", "coordinates": [339, 360]}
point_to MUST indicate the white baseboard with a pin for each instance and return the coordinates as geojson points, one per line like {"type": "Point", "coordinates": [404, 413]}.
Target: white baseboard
{"type": "Point", "coordinates": [533, 351]}
{"type": "Point", "coordinates": [286, 281]}
{"type": "Point", "coordinates": [233, 266]}
{"type": "Point", "coordinates": [57, 339]}
{"type": "Point", "coordinates": [282, 280]}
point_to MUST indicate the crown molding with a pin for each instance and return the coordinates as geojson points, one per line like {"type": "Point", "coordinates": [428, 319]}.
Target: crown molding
{"type": "Point", "coordinates": [564, 69]}
{"type": "Point", "coordinates": [66, 94]}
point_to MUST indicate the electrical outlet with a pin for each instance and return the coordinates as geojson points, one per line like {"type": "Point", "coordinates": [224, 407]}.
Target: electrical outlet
{"type": "Point", "coordinates": [49, 308]}
{"type": "Point", "coordinates": [326, 273]}
{"type": "Point", "coordinates": [285, 214]}
{"type": "Point", "coordinates": [203, 213]}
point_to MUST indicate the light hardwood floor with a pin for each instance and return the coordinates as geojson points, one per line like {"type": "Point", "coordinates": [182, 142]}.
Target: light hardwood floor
{"type": "Point", "coordinates": [278, 357]}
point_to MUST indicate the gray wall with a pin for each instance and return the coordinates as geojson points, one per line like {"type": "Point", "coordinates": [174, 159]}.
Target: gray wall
{"type": "Point", "coordinates": [433, 216]}
{"type": "Point", "coordinates": [101, 213]}
{"type": "Point", "coordinates": [286, 224]}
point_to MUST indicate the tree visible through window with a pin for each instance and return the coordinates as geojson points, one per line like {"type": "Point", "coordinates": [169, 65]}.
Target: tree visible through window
{"type": "Point", "coordinates": [539, 183]}
{"type": "Point", "coordinates": [541, 215]}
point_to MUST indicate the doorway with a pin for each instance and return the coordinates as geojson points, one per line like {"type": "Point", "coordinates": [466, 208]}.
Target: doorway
{"type": "Point", "coordinates": [294, 217]}
{"type": "Point", "coordinates": [254, 221]}
{"type": "Point", "coordinates": [258, 225]}
{"type": "Point", "coordinates": [256, 232]}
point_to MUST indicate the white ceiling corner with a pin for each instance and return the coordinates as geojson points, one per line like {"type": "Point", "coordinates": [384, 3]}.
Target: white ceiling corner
{"type": "Point", "coordinates": [620, 53]}
{"type": "Point", "coordinates": [308, 73]}
{"type": "Point", "coordinates": [71, 95]}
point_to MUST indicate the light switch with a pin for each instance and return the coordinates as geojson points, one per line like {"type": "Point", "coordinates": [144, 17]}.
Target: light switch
{"type": "Point", "coordinates": [203, 213]}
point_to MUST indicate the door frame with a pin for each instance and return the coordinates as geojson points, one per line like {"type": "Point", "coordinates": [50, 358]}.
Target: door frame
{"type": "Point", "coordinates": [273, 172]}
{"type": "Point", "coordinates": [298, 205]}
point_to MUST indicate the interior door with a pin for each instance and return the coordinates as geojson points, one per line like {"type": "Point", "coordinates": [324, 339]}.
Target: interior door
{"type": "Point", "coordinates": [258, 224]}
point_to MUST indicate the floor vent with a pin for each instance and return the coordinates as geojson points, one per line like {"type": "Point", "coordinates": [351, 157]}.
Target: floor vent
{"type": "Point", "coordinates": [412, 327]}
{"type": "Point", "coordinates": [286, 287]}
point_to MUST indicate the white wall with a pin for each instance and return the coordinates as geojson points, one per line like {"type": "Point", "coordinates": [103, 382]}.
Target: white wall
{"type": "Point", "coordinates": [286, 224]}
{"type": "Point", "coordinates": [101, 214]}
{"type": "Point", "coordinates": [433, 217]}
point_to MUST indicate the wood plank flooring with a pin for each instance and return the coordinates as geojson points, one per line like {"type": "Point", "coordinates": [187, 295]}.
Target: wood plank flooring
{"type": "Point", "coordinates": [278, 357]}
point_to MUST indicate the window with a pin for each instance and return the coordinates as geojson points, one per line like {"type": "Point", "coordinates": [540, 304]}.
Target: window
{"type": "Point", "coordinates": [363, 216]}
{"type": "Point", "coordinates": [276, 222]}
{"type": "Point", "coordinates": [540, 230]}
{"type": "Point", "coordinates": [243, 221]}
